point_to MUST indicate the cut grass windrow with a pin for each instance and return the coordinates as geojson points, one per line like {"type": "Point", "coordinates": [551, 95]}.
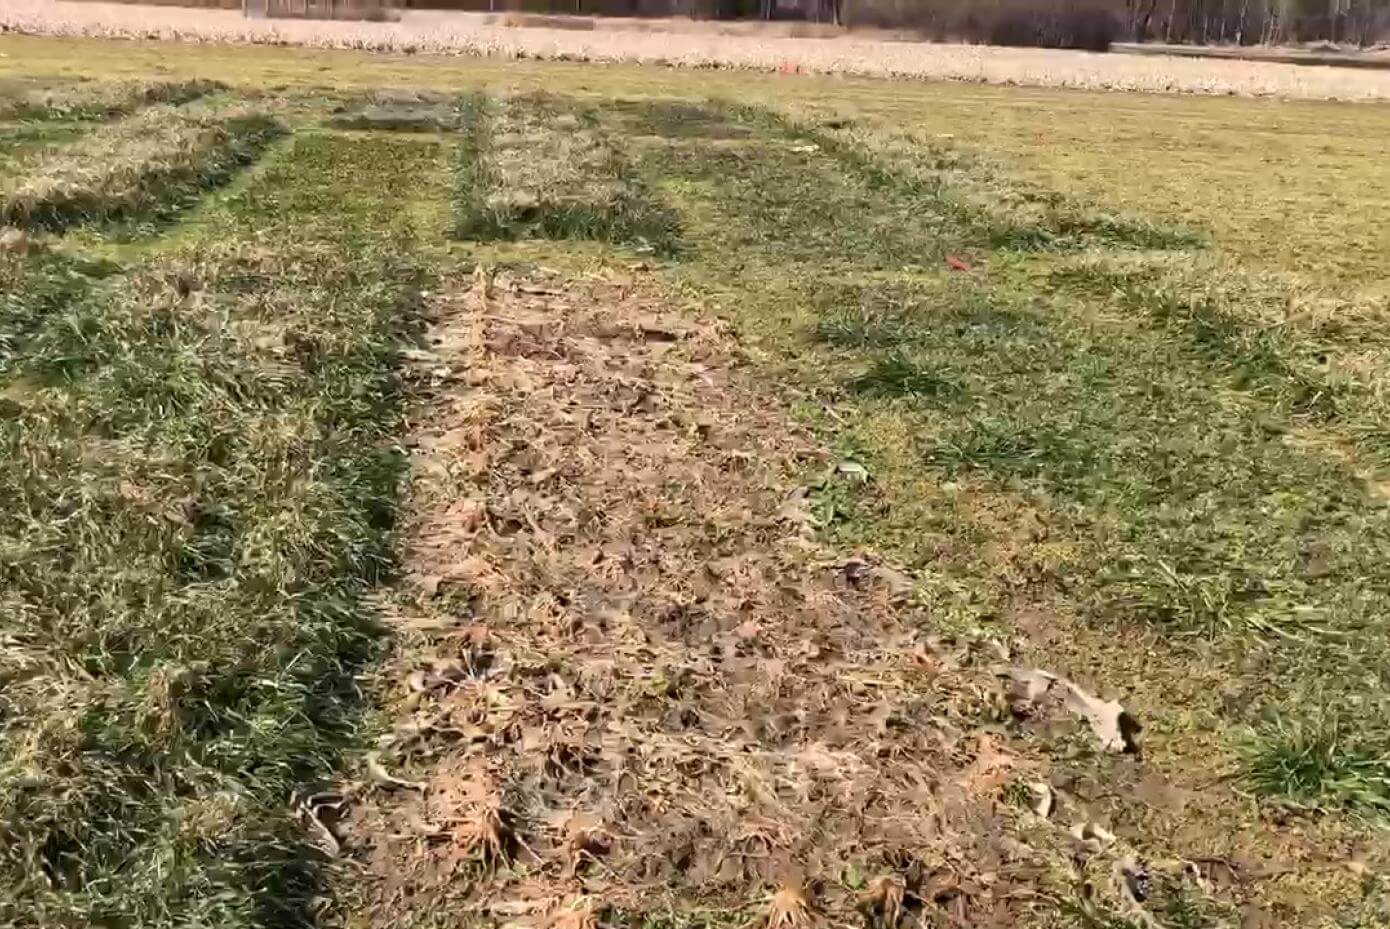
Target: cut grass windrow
{"type": "Point", "coordinates": [542, 168]}
{"type": "Point", "coordinates": [198, 484]}
{"type": "Point", "coordinates": [101, 100]}
{"type": "Point", "coordinates": [144, 167]}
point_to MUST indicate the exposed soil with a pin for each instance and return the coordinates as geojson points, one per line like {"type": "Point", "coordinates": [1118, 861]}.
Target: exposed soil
{"type": "Point", "coordinates": [629, 678]}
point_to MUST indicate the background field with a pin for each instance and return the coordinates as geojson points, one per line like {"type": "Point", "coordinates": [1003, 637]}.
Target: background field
{"type": "Point", "coordinates": [1285, 185]}
{"type": "Point", "coordinates": [472, 34]}
{"type": "Point", "coordinates": [1103, 374]}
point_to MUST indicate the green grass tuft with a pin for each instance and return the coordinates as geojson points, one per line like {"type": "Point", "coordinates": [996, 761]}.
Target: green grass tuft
{"type": "Point", "coordinates": [32, 288]}
{"type": "Point", "coordinates": [1321, 759]}
{"type": "Point", "coordinates": [474, 173]}
{"type": "Point", "coordinates": [898, 374]}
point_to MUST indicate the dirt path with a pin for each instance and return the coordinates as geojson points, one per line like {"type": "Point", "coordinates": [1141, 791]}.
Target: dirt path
{"type": "Point", "coordinates": [630, 681]}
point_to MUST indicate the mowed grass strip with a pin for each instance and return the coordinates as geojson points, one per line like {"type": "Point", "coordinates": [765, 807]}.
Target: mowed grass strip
{"type": "Point", "coordinates": [534, 166]}
{"type": "Point", "coordinates": [1314, 357]}
{"type": "Point", "coordinates": [144, 167]}
{"type": "Point", "coordinates": [961, 192]}
{"type": "Point", "coordinates": [1177, 483]}
{"type": "Point", "coordinates": [198, 482]}
{"type": "Point", "coordinates": [1319, 359]}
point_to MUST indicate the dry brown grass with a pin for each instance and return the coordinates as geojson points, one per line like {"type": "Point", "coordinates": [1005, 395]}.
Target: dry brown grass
{"type": "Point", "coordinates": [631, 677]}
{"type": "Point", "coordinates": [457, 33]}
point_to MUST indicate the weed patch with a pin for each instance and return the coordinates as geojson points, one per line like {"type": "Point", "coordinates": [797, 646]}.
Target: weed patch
{"type": "Point", "coordinates": [900, 375]}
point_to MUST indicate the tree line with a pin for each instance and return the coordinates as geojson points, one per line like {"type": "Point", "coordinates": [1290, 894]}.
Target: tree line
{"type": "Point", "coordinates": [1060, 23]}
{"type": "Point", "coordinates": [1094, 23]}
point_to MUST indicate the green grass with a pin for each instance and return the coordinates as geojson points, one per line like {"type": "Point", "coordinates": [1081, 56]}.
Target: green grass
{"type": "Point", "coordinates": [1151, 413]}
{"type": "Point", "coordinates": [1325, 759]}
{"type": "Point", "coordinates": [199, 482]}
{"type": "Point", "coordinates": [962, 190]}
{"type": "Point", "coordinates": [899, 375]}
{"type": "Point", "coordinates": [32, 288]}
{"type": "Point", "coordinates": [474, 174]}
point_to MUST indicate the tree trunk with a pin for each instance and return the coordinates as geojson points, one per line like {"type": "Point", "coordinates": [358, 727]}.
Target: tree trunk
{"type": "Point", "coordinates": [1142, 33]}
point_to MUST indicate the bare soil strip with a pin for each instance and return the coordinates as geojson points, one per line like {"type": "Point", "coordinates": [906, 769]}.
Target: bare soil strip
{"type": "Point", "coordinates": [631, 684]}
{"type": "Point", "coordinates": [642, 677]}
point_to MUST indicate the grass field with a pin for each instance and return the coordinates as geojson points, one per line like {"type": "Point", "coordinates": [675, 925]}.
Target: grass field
{"type": "Point", "coordinates": [451, 490]}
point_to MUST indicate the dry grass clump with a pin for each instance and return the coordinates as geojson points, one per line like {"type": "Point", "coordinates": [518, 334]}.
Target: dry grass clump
{"type": "Point", "coordinates": [143, 166]}
{"type": "Point", "coordinates": [102, 100]}
{"type": "Point", "coordinates": [453, 33]}
{"type": "Point", "coordinates": [530, 166]}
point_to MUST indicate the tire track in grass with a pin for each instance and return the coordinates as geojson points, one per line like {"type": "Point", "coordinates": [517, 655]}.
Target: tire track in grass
{"type": "Point", "coordinates": [198, 480]}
